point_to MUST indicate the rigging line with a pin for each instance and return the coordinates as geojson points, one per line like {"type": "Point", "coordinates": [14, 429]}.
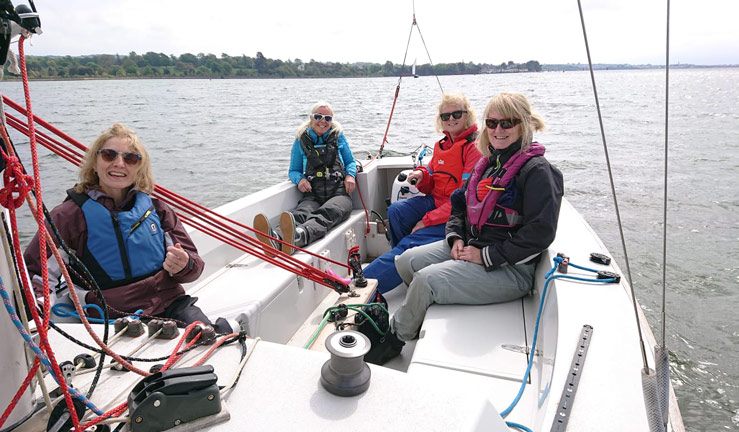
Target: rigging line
{"type": "Point", "coordinates": [428, 54]}
{"type": "Point", "coordinates": [613, 191]}
{"type": "Point", "coordinates": [664, 199]}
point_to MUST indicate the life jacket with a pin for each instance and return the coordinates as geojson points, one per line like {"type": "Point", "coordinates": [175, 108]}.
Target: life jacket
{"type": "Point", "coordinates": [139, 247]}
{"type": "Point", "coordinates": [448, 167]}
{"type": "Point", "coordinates": [323, 168]}
{"type": "Point", "coordinates": [483, 195]}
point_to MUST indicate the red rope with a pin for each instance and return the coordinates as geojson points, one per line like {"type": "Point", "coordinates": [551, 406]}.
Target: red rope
{"type": "Point", "coordinates": [392, 110]}
{"type": "Point", "coordinates": [11, 406]}
{"type": "Point", "coordinates": [231, 235]}
{"type": "Point", "coordinates": [42, 325]}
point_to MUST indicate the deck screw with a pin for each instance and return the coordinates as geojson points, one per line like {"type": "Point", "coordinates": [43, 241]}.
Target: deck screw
{"type": "Point", "coordinates": [177, 422]}
{"type": "Point", "coordinates": [157, 403]}
{"type": "Point", "coordinates": [211, 397]}
{"type": "Point", "coordinates": [139, 419]}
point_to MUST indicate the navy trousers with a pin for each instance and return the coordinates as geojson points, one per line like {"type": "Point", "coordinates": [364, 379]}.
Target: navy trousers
{"type": "Point", "coordinates": [383, 267]}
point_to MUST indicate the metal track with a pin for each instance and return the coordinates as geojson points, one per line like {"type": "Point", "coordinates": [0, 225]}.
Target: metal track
{"type": "Point", "coordinates": [568, 393]}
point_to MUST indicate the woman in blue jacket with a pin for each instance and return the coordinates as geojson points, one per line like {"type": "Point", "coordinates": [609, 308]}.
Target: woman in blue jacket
{"type": "Point", "coordinates": [323, 168]}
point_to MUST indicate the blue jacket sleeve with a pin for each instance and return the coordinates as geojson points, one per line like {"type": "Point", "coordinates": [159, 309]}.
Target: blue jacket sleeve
{"type": "Point", "coordinates": [347, 158]}
{"type": "Point", "coordinates": [297, 163]}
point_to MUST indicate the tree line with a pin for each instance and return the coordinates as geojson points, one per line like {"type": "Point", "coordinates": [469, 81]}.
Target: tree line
{"type": "Point", "coordinates": [159, 65]}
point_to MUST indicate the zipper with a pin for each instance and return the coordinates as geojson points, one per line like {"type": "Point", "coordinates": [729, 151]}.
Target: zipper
{"type": "Point", "coordinates": [121, 246]}
{"type": "Point", "coordinates": [141, 219]}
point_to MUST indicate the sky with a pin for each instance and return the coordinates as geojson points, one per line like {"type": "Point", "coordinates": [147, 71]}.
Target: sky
{"type": "Point", "coordinates": [348, 31]}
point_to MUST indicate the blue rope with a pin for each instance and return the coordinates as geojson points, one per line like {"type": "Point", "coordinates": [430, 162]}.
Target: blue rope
{"type": "Point", "coordinates": [41, 356]}
{"type": "Point", "coordinates": [65, 310]}
{"type": "Point", "coordinates": [518, 426]}
{"type": "Point", "coordinates": [549, 278]}
{"type": "Point", "coordinates": [583, 268]}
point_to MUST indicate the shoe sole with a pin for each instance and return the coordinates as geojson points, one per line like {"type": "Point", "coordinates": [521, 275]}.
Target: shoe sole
{"type": "Point", "coordinates": [287, 226]}
{"type": "Point", "coordinates": [261, 224]}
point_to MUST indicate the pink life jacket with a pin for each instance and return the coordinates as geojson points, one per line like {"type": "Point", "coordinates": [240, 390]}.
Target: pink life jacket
{"type": "Point", "coordinates": [478, 211]}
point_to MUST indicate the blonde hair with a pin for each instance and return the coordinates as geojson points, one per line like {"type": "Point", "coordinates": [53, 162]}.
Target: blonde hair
{"type": "Point", "coordinates": [144, 179]}
{"type": "Point", "coordinates": [456, 99]}
{"type": "Point", "coordinates": [515, 106]}
{"type": "Point", "coordinates": [335, 126]}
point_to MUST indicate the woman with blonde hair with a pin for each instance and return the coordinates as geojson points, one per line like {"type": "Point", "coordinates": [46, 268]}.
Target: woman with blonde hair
{"type": "Point", "coordinates": [500, 222]}
{"type": "Point", "coordinates": [420, 220]}
{"type": "Point", "coordinates": [323, 168]}
{"type": "Point", "coordinates": [134, 245]}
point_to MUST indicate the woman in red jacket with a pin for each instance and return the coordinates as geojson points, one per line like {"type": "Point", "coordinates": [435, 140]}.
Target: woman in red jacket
{"type": "Point", "coordinates": [420, 220]}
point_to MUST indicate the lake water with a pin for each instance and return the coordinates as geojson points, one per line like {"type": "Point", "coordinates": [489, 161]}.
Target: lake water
{"type": "Point", "coordinates": [216, 140]}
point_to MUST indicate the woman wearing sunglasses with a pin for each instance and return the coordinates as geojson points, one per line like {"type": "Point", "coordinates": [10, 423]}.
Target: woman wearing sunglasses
{"type": "Point", "coordinates": [500, 222]}
{"type": "Point", "coordinates": [133, 245]}
{"type": "Point", "coordinates": [420, 220]}
{"type": "Point", "coordinates": [323, 168]}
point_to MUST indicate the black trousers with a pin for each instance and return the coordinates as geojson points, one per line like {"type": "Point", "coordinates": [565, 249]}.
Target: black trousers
{"type": "Point", "coordinates": [184, 309]}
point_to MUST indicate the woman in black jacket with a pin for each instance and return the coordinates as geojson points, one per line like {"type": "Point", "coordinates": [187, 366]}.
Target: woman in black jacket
{"type": "Point", "coordinates": [501, 221]}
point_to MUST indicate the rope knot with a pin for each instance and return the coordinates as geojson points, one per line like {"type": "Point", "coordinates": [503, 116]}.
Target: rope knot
{"type": "Point", "coordinates": [16, 182]}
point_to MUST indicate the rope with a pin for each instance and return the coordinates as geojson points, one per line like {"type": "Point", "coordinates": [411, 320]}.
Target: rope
{"type": "Point", "coordinates": [613, 191]}
{"type": "Point", "coordinates": [42, 242]}
{"type": "Point", "coordinates": [549, 278]}
{"type": "Point", "coordinates": [201, 218]}
{"type": "Point", "coordinates": [400, 78]}
{"type": "Point", "coordinates": [14, 402]}
{"type": "Point", "coordinates": [664, 198]}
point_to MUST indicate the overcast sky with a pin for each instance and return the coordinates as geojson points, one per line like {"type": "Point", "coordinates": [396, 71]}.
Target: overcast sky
{"type": "Point", "coordinates": [480, 31]}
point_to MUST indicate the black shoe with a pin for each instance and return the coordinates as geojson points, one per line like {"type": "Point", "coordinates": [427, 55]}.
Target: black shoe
{"type": "Point", "coordinates": [384, 348]}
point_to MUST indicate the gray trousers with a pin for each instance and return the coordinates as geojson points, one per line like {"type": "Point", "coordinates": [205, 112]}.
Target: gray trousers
{"type": "Point", "coordinates": [433, 276]}
{"type": "Point", "coordinates": [317, 219]}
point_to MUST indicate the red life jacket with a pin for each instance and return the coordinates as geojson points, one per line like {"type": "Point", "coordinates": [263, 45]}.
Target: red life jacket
{"type": "Point", "coordinates": [482, 195]}
{"type": "Point", "coordinates": [447, 166]}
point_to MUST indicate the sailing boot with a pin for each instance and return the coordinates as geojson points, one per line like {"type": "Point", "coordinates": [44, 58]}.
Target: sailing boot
{"type": "Point", "coordinates": [384, 348]}
{"type": "Point", "coordinates": [264, 230]}
{"type": "Point", "coordinates": [292, 233]}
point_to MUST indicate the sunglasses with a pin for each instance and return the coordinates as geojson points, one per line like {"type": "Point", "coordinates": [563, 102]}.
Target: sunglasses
{"type": "Point", "coordinates": [319, 117]}
{"type": "Point", "coordinates": [109, 155]}
{"type": "Point", "coordinates": [456, 114]}
{"type": "Point", "coordinates": [504, 123]}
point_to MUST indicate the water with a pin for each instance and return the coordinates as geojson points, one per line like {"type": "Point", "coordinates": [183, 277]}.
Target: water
{"type": "Point", "coordinates": [216, 140]}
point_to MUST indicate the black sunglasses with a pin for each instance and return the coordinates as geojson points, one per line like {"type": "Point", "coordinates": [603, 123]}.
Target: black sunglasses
{"type": "Point", "coordinates": [456, 114]}
{"type": "Point", "coordinates": [109, 155]}
{"type": "Point", "coordinates": [319, 117]}
{"type": "Point", "coordinates": [504, 123]}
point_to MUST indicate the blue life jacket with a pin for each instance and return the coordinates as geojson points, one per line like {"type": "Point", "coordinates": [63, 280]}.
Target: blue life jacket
{"type": "Point", "coordinates": [122, 246]}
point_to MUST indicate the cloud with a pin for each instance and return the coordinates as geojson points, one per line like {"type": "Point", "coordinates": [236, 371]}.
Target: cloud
{"type": "Point", "coordinates": [625, 31]}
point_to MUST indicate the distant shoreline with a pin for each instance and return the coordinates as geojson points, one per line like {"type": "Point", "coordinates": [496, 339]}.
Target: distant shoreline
{"type": "Point", "coordinates": [207, 66]}
{"type": "Point", "coordinates": [13, 78]}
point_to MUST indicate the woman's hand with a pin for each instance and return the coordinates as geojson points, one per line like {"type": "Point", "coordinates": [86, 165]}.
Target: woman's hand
{"type": "Point", "coordinates": [304, 185]}
{"type": "Point", "coordinates": [176, 259]}
{"type": "Point", "coordinates": [457, 248]}
{"type": "Point", "coordinates": [418, 226]}
{"type": "Point", "coordinates": [414, 177]}
{"type": "Point", "coordinates": [349, 184]}
{"type": "Point", "coordinates": [471, 254]}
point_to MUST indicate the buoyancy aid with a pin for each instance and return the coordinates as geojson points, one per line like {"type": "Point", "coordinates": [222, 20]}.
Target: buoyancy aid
{"type": "Point", "coordinates": [139, 247]}
{"type": "Point", "coordinates": [483, 195]}
{"type": "Point", "coordinates": [323, 168]}
{"type": "Point", "coordinates": [448, 167]}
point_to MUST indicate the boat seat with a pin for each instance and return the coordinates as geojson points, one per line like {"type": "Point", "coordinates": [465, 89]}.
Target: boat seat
{"type": "Point", "coordinates": [274, 301]}
{"type": "Point", "coordinates": [488, 340]}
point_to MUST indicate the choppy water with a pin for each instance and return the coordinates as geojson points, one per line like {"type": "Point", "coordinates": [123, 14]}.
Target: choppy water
{"type": "Point", "coordinates": [216, 140]}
